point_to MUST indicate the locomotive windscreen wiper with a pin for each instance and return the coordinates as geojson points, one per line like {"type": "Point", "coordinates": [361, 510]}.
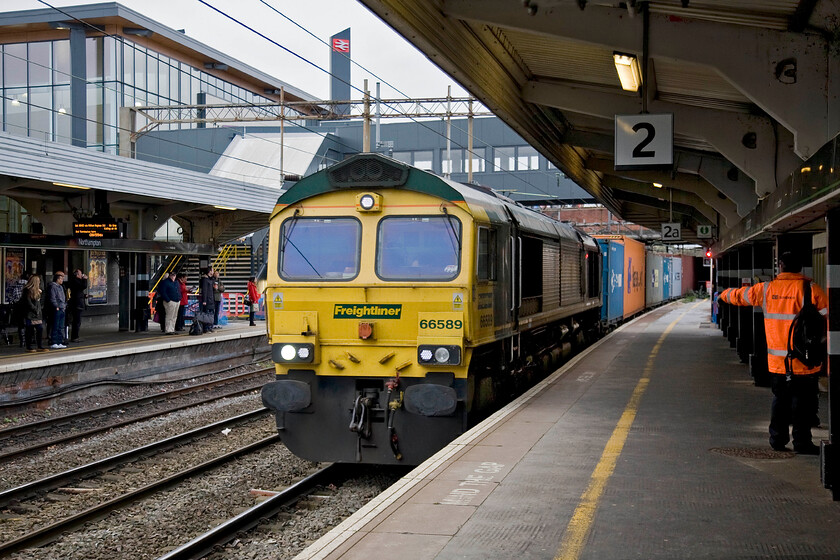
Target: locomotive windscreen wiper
{"type": "Point", "coordinates": [456, 244]}
{"type": "Point", "coordinates": [287, 240]}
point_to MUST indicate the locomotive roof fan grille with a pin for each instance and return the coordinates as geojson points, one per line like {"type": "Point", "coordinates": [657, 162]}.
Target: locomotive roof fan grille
{"type": "Point", "coordinates": [369, 170]}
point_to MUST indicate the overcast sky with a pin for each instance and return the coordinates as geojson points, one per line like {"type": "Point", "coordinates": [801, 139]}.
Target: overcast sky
{"type": "Point", "coordinates": [374, 45]}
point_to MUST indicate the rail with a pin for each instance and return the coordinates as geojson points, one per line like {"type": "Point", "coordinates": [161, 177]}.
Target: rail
{"type": "Point", "coordinates": [205, 544]}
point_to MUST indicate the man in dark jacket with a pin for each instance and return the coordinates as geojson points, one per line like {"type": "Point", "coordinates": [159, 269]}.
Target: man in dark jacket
{"type": "Point", "coordinates": [58, 306]}
{"type": "Point", "coordinates": [76, 284]}
{"type": "Point", "coordinates": [170, 293]}
{"type": "Point", "coordinates": [207, 303]}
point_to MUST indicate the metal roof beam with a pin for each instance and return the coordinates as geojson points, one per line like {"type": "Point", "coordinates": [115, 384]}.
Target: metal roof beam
{"type": "Point", "coordinates": [727, 179]}
{"type": "Point", "coordinates": [679, 197]}
{"type": "Point", "coordinates": [678, 181]}
{"type": "Point", "coordinates": [791, 76]}
{"type": "Point", "coordinates": [724, 130]}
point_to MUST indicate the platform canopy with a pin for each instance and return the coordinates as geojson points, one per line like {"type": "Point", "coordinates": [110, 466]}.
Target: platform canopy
{"type": "Point", "coordinates": [752, 88]}
{"type": "Point", "coordinates": [54, 182]}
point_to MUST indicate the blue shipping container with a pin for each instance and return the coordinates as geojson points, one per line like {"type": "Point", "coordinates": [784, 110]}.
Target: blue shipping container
{"type": "Point", "coordinates": [612, 251]}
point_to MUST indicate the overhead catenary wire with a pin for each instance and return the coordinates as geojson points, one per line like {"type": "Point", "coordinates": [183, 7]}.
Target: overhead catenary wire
{"type": "Point", "coordinates": [395, 88]}
{"type": "Point", "coordinates": [316, 66]}
{"type": "Point", "coordinates": [492, 165]}
{"type": "Point", "coordinates": [123, 41]}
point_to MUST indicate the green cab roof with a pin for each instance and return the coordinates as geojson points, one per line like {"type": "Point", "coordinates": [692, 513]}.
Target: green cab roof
{"type": "Point", "coordinates": [369, 171]}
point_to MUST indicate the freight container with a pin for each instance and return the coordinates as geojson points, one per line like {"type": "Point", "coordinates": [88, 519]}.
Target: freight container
{"type": "Point", "coordinates": [612, 271]}
{"type": "Point", "coordinates": [632, 273]}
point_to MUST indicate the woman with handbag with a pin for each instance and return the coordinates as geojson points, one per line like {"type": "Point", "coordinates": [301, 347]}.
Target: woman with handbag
{"type": "Point", "coordinates": [33, 314]}
{"type": "Point", "coordinates": [252, 299]}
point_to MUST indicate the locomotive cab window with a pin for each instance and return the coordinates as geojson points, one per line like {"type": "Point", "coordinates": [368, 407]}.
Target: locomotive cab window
{"type": "Point", "coordinates": [320, 249]}
{"type": "Point", "coordinates": [419, 248]}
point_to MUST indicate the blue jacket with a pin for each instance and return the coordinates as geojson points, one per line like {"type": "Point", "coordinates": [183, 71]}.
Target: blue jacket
{"type": "Point", "coordinates": [169, 290]}
{"type": "Point", "coordinates": [55, 295]}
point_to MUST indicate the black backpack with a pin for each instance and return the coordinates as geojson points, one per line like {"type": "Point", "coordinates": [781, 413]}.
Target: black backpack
{"type": "Point", "coordinates": [807, 335]}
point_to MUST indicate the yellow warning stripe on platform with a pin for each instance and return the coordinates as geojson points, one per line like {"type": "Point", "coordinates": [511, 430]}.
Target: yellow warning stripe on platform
{"type": "Point", "coordinates": [581, 522]}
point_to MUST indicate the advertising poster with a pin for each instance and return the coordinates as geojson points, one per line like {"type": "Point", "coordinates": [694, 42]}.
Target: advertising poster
{"type": "Point", "coordinates": [98, 278]}
{"type": "Point", "coordinates": [13, 269]}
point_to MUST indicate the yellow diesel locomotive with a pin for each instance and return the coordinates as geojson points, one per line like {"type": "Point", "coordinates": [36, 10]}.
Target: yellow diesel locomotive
{"type": "Point", "coordinates": [402, 306]}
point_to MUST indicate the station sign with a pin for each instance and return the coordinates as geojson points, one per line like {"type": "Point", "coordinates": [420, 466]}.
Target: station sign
{"type": "Point", "coordinates": [671, 232]}
{"type": "Point", "coordinates": [704, 231]}
{"type": "Point", "coordinates": [96, 229]}
{"type": "Point", "coordinates": [644, 141]}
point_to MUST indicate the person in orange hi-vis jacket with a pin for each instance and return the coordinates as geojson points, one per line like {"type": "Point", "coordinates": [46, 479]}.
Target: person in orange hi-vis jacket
{"type": "Point", "coordinates": [795, 392]}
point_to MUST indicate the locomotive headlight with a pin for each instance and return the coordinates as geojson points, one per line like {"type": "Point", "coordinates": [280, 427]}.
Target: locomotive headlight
{"type": "Point", "coordinates": [288, 352]}
{"type": "Point", "coordinates": [368, 202]}
{"type": "Point", "coordinates": [434, 354]}
{"type": "Point", "coordinates": [292, 353]}
{"type": "Point", "coordinates": [442, 355]}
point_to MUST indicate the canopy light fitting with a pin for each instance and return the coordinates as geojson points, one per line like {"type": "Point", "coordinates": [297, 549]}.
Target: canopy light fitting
{"type": "Point", "coordinates": [627, 66]}
{"type": "Point", "coordinates": [71, 186]}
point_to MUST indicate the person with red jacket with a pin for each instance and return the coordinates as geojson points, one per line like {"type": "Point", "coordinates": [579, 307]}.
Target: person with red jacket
{"type": "Point", "coordinates": [795, 388]}
{"type": "Point", "coordinates": [185, 300]}
{"type": "Point", "coordinates": [253, 298]}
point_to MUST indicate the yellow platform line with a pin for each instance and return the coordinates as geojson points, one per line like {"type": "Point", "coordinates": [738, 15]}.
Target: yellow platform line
{"type": "Point", "coordinates": [580, 524]}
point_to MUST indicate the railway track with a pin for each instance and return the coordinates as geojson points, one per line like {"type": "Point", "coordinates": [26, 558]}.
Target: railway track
{"type": "Point", "coordinates": [54, 530]}
{"type": "Point", "coordinates": [206, 543]}
{"type": "Point", "coordinates": [9, 437]}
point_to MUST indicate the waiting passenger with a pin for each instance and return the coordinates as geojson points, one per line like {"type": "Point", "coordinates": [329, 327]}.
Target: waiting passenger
{"type": "Point", "coordinates": [252, 299]}
{"type": "Point", "coordinates": [76, 284]}
{"type": "Point", "coordinates": [58, 308]}
{"type": "Point", "coordinates": [218, 294]}
{"type": "Point", "coordinates": [181, 280]}
{"type": "Point", "coordinates": [170, 294]}
{"type": "Point", "coordinates": [795, 387]}
{"type": "Point", "coordinates": [206, 303]}
{"type": "Point", "coordinates": [33, 314]}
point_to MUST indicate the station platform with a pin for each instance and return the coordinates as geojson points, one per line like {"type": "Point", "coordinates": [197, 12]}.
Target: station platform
{"type": "Point", "coordinates": [107, 355]}
{"type": "Point", "coordinates": [652, 443]}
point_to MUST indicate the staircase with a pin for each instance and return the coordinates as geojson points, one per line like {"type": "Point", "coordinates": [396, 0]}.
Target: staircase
{"type": "Point", "coordinates": [233, 263]}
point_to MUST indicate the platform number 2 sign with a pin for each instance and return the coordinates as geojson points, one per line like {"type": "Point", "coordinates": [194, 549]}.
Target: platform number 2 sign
{"type": "Point", "coordinates": [644, 141]}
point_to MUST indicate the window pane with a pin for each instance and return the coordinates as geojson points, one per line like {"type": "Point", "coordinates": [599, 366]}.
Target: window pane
{"type": "Point", "coordinates": [95, 106]}
{"type": "Point", "coordinates": [139, 69]}
{"type": "Point", "coordinates": [39, 64]}
{"type": "Point", "coordinates": [95, 58]}
{"type": "Point", "coordinates": [163, 78]}
{"type": "Point", "coordinates": [128, 63]}
{"type": "Point", "coordinates": [317, 248]}
{"type": "Point", "coordinates": [528, 159]}
{"type": "Point", "coordinates": [61, 62]}
{"type": "Point", "coordinates": [40, 114]}
{"type": "Point", "coordinates": [418, 248]}
{"type": "Point", "coordinates": [457, 161]}
{"type": "Point", "coordinates": [485, 269]}
{"type": "Point", "coordinates": [14, 65]}
{"type": "Point", "coordinates": [504, 159]}
{"type": "Point", "coordinates": [16, 111]}
{"type": "Point", "coordinates": [61, 98]}
{"type": "Point", "coordinates": [110, 58]}
{"type": "Point", "coordinates": [110, 113]}
{"type": "Point", "coordinates": [152, 73]}
{"type": "Point", "coordinates": [174, 87]}
{"type": "Point", "coordinates": [423, 160]}
{"type": "Point", "coordinates": [478, 163]}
